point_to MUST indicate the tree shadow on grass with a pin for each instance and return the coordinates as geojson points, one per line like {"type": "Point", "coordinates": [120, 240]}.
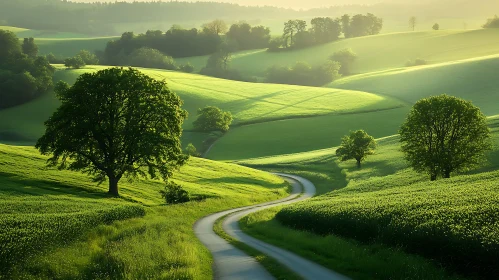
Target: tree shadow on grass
{"type": "Point", "coordinates": [239, 180]}
{"type": "Point", "coordinates": [16, 185]}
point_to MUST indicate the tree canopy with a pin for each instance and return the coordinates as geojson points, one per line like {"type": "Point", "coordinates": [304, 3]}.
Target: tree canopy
{"type": "Point", "coordinates": [113, 123]}
{"type": "Point", "coordinates": [212, 118]}
{"type": "Point", "coordinates": [444, 134]}
{"type": "Point", "coordinates": [492, 22]}
{"type": "Point", "coordinates": [346, 58]}
{"type": "Point", "coordinates": [357, 145]}
{"type": "Point", "coordinates": [24, 76]}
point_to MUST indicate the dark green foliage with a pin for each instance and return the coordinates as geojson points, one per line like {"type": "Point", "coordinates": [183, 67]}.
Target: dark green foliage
{"type": "Point", "coordinates": [325, 29]}
{"type": "Point", "coordinates": [176, 42]}
{"type": "Point", "coordinates": [23, 77]}
{"type": "Point", "coordinates": [174, 194]}
{"type": "Point", "coordinates": [54, 59]}
{"type": "Point", "coordinates": [358, 145]}
{"type": "Point", "coordinates": [436, 26]}
{"type": "Point", "coordinates": [303, 74]}
{"type": "Point", "coordinates": [187, 68]}
{"type": "Point", "coordinates": [492, 22]}
{"type": "Point", "coordinates": [215, 27]}
{"type": "Point", "coordinates": [30, 48]}
{"type": "Point", "coordinates": [443, 135]}
{"type": "Point", "coordinates": [88, 57]}
{"type": "Point", "coordinates": [212, 118]}
{"type": "Point", "coordinates": [416, 62]}
{"type": "Point", "coordinates": [151, 58]}
{"type": "Point", "coordinates": [248, 37]}
{"type": "Point", "coordinates": [75, 62]}
{"type": "Point", "coordinates": [346, 58]}
{"type": "Point", "coordinates": [218, 64]}
{"type": "Point", "coordinates": [275, 44]}
{"type": "Point", "coordinates": [191, 150]}
{"type": "Point", "coordinates": [115, 123]}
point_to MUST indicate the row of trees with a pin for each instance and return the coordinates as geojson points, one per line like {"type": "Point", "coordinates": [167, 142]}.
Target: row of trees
{"type": "Point", "coordinates": [492, 22]}
{"type": "Point", "coordinates": [326, 29]}
{"type": "Point", "coordinates": [23, 74]}
{"type": "Point", "coordinates": [441, 135]}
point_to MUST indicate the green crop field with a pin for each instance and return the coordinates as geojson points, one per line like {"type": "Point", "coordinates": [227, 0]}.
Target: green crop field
{"type": "Point", "coordinates": [387, 202]}
{"type": "Point", "coordinates": [376, 53]}
{"type": "Point", "coordinates": [60, 224]}
{"type": "Point", "coordinates": [248, 102]}
{"type": "Point", "coordinates": [24, 33]}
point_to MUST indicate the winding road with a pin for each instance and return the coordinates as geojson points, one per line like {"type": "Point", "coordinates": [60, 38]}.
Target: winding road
{"type": "Point", "coordinates": [232, 263]}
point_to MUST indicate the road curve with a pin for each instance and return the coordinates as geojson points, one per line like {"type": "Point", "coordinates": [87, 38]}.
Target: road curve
{"type": "Point", "coordinates": [232, 263]}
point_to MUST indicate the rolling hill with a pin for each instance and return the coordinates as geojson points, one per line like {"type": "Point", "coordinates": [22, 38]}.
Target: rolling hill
{"type": "Point", "coordinates": [248, 102]}
{"type": "Point", "coordinates": [60, 224]}
{"type": "Point", "coordinates": [375, 53]}
{"type": "Point", "coordinates": [387, 202]}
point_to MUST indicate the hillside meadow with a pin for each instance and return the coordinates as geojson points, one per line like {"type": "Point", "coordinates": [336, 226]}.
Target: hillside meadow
{"type": "Point", "coordinates": [248, 102]}
{"type": "Point", "coordinates": [375, 53]}
{"type": "Point", "coordinates": [59, 224]}
{"type": "Point", "coordinates": [386, 202]}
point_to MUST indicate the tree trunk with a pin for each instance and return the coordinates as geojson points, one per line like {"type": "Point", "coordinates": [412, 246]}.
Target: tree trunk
{"type": "Point", "coordinates": [113, 185]}
{"type": "Point", "coordinates": [433, 177]}
{"type": "Point", "coordinates": [358, 163]}
{"type": "Point", "coordinates": [446, 174]}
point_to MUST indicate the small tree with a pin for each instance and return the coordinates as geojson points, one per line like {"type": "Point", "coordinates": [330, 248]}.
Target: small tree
{"type": "Point", "coordinates": [88, 57]}
{"type": "Point", "coordinates": [346, 58]}
{"type": "Point", "coordinates": [412, 23]}
{"type": "Point", "coordinates": [444, 134]}
{"type": "Point", "coordinates": [74, 62]}
{"type": "Point", "coordinates": [436, 26]}
{"type": "Point", "coordinates": [187, 68]}
{"type": "Point", "coordinates": [191, 150]}
{"type": "Point", "coordinates": [212, 118]}
{"type": "Point", "coordinates": [29, 47]}
{"type": "Point", "coordinates": [358, 145]}
{"type": "Point", "coordinates": [217, 27]}
{"type": "Point", "coordinates": [113, 123]}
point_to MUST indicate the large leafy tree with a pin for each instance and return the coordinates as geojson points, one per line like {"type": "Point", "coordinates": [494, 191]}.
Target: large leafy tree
{"type": "Point", "coordinates": [444, 134]}
{"type": "Point", "coordinates": [113, 123]}
{"type": "Point", "coordinates": [212, 118]}
{"type": "Point", "coordinates": [357, 145]}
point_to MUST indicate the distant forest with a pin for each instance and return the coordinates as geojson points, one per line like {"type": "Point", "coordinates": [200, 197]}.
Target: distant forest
{"type": "Point", "coordinates": [100, 18]}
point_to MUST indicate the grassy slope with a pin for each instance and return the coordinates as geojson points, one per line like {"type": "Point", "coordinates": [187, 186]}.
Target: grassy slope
{"type": "Point", "coordinates": [70, 229]}
{"type": "Point", "coordinates": [472, 79]}
{"type": "Point", "coordinates": [248, 102]}
{"type": "Point", "coordinates": [386, 187]}
{"type": "Point", "coordinates": [378, 52]}
{"type": "Point", "coordinates": [66, 47]}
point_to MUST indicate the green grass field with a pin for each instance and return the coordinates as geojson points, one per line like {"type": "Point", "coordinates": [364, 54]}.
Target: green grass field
{"type": "Point", "coordinates": [387, 202]}
{"type": "Point", "coordinates": [376, 53]}
{"type": "Point", "coordinates": [473, 79]}
{"type": "Point", "coordinates": [66, 47]}
{"type": "Point", "coordinates": [59, 224]}
{"type": "Point", "coordinates": [24, 33]}
{"type": "Point", "coordinates": [248, 102]}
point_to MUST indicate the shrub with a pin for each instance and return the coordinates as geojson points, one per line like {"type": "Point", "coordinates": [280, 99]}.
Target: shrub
{"type": "Point", "coordinates": [74, 62]}
{"type": "Point", "coordinates": [174, 194]}
{"type": "Point", "coordinates": [416, 62]}
{"type": "Point", "coordinates": [187, 68]}
{"type": "Point", "coordinates": [304, 74]}
{"type": "Point", "coordinates": [212, 118]}
{"type": "Point", "coordinates": [54, 59]}
{"type": "Point", "coordinates": [192, 151]}
{"type": "Point", "coordinates": [151, 58]}
{"type": "Point", "coordinates": [492, 22]}
{"type": "Point", "coordinates": [436, 26]}
{"type": "Point", "coordinates": [346, 58]}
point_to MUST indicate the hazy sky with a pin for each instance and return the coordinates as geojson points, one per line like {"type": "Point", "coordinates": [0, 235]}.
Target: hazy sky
{"type": "Point", "coordinates": [286, 3]}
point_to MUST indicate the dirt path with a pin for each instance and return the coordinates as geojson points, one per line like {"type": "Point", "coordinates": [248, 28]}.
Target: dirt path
{"type": "Point", "coordinates": [232, 263]}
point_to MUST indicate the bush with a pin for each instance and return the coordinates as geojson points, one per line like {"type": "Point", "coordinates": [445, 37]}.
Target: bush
{"type": "Point", "coordinates": [151, 58]}
{"type": "Point", "coordinates": [275, 45]}
{"type": "Point", "coordinates": [492, 22]}
{"type": "Point", "coordinates": [74, 62]}
{"type": "Point", "coordinates": [88, 57]}
{"type": "Point", "coordinates": [212, 118]}
{"type": "Point", "coordinates": [187, 68]}
{"type": "Point", "coordinates": [346, 58]}
{"type": "Point", "coordinates": [54, 59]}
{"type": "Point", "coordinates": [192, 151]}
{"type": "Point", "coordinates": [174, 194]}
{"type": "Point", "coordinates": [416, 62]}
{"type": "Point", "coordinates": [304, 74]}
{"type": "Point", "coordinates": [436, 26]}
